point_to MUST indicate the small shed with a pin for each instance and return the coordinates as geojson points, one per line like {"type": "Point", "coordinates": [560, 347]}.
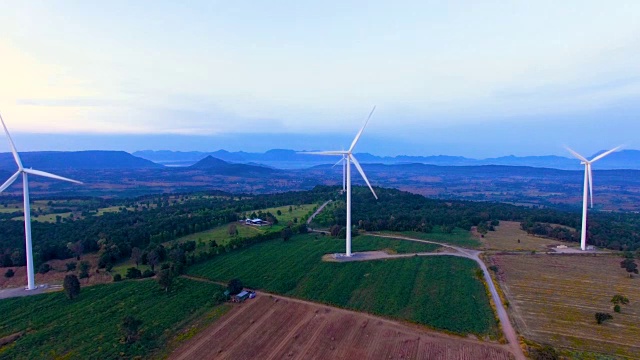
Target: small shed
{"type": "Point", "coordinates": [241, 296]}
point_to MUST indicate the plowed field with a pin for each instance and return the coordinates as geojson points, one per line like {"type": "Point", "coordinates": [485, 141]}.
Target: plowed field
{"type": "Point", "coordinates": [280, 328]}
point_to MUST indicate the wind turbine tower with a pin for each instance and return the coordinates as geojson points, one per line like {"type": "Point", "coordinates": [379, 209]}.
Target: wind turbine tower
{"type": "Point", "coordinates": [27, 209]}
{"type": "Point", "coordinates": [588, 189]}
{"type": "Point", "coordinates": [348, 158]}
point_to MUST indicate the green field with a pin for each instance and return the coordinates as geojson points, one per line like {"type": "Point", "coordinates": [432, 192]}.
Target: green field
{"type": "Point", "coordinates": [458, 237]}
{"type": "Point", "coordinates": [440, 292]}
{"type": "Point", "coordinates": [88, 327]}
{"type": "Point", "coordinates": [221, 234]}
{"type": "Point", "coordinates": [297, 211]}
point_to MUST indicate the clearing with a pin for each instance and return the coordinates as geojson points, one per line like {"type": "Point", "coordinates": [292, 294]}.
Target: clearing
{"type": "Point", "coordinates": [553, 300]}
{"type": "Point", "coordinates": [508, 236]}
{"type": "Point", "coordinates": [272, 327]}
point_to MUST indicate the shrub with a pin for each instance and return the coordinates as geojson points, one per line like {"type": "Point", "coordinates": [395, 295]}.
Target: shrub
{"type": "Point", "coordinates": [133, 273]}
{"type": "Point", "coordinates": [44, 268]}
{"type": "Point", "coordinates": [71, 286]}
{"type": "Point", "coordinates": [148, 273]}
{"type": "Point", "coordinates": [235, 286]}
{"type": "Point", "coordinates": [616, 308]}
{"type": "Point", "coordinates": [117, 277]}
{"type": "Point", "coordinates": [602, 317]}
{"type": "Point", "coordinates": [71, 266]}
{"type": "Point", "coordinates": [9, 273]}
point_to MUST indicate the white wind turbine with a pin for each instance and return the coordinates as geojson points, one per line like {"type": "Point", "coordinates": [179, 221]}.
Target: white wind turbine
{"type": "Point", "coordinates": [343, 161]}
{"type": "Point", "coordinates": [347, 157]}
{"type": "Point", "coordinates": [588, 189]}
{"type": "Point", "coordinates": [27, 209]}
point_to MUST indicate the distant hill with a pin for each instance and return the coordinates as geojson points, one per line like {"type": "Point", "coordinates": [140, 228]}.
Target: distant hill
{"type": "Point", "coordinates": [222, 167]}
{"type": "Point", "coordinates": [290, 159]}
{"type": "Point", "coordinates": [50, 160]}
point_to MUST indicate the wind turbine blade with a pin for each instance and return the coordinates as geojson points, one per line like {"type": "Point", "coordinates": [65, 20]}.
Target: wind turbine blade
{"type": "Point", "coordinates": [338, 163]}
{"type": "Point", "coordinates": [357, 164]}
{"type": "Point", "coordinates": [48, 175]}
{"type": "Point", "coordinates": [10, 181]}
{"type": "Point", "coordinates": [324, 153]}
{"type": "Point", "coordinates": [605, 154]}
{"type": "Point", "coordinates": [590, 184]}
{"type": "Point", "coordinates": [580, 157]}
{"type": "Point", "coordinates": [355, 141]}
{"type": "Point", "coordinates": [13, 146]}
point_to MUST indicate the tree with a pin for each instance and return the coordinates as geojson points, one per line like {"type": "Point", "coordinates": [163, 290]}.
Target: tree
{"type": "Point", "coordinates": [76, 249]}
{"type": "Point", "coordinates": [233, 230]}
{"type": "Point", "coordinates": [629, 265]}
{"type": "Point", "coordinates": [130, 327]}
{"type": "Point", "coordinates": [279, 212]}
{"type": "Point", "coordinates": [71, 266]}
{"type": "Point", "coordinates": [235, 286]}
{"type": "Point", "coordinates": [44, 268]}
{"type": "Point", "coordinates": [302, 229]}
{"type": "Point", "coordinates": [286, 233]}
{"type": "Point", "coordinates": [165, 279]}
{"type": "Point", "coordinates": [153, 258]}
{"type": "Point", "coordinates": [9, 273]}
{"type": "Point", "coordinates": [117, 277]}
{"type": "Point", "coordinates": [18, 258]}
{"type": "Point", "coordinates": [71, 286]}
{"type": "Point", "coordinates": [619, 299]}
{"type": "Point", "coordinates": [84, 269]}
{"type": "Point", "coordinates": [602, 317]}
{"type": "Point", "coordinates": [133, 273]}
{"type": "Point", "coordinates": [136, 255]}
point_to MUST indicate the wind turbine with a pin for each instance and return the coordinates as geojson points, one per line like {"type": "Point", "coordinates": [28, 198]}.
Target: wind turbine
{"type": "Point", "coordinates": [344, 172]}
{"type": "Point", "coordinates": [347, 158]}
{"type": "Point", "coordinates": [588, 186]}
{"type": "Point", "coordinates": [27, 209]}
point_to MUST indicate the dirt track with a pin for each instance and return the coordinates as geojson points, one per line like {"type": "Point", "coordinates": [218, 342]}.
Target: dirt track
{"type": "Point", "coordinates": [274, 327]}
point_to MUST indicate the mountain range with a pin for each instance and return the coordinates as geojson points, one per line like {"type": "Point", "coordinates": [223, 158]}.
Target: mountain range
{"type": "Point", "coordinates": [290, 159]}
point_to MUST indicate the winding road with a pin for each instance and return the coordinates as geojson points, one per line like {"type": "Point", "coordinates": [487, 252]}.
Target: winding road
{"type": "Point", "coordinates": [505, 323]}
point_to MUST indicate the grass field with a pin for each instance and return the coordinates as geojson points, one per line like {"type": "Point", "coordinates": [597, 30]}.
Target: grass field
{"type": "Point", "coordinates": [297, 211]}
{"type": "Point", "coordinates": [441, 292]}
{"type": "Point", "coordinates": [507, 235]}
{"type": "Point", "coordinates": [88, 327]}
{"type": "Point", "coordinates": [221, 234]}
{"type": "Point", "coordinates": [458, 237]}
{"type": "Point", "coordinates": [554, 298]}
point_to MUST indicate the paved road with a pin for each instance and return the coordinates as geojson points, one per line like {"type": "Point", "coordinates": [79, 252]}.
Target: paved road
{"type": "Point", "coordinates": [507, 327]}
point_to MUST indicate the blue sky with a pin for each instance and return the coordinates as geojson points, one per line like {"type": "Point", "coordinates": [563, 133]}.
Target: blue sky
{"type": "Point", "coordinates": [461, 78]}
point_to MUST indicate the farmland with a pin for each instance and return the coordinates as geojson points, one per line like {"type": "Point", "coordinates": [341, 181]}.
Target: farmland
{"type": "Point", "coordinates": [88, 327]}
{"type": "Point", "coordinates": [553, 299]}
{"type": "Point", "coordinates": [279, 328]}
{"type": "Point", "coordinates": [457, 237]}
{"type": "Point", "coordinates": [440, 292]}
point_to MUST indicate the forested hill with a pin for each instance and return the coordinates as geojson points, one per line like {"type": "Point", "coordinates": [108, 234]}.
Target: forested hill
{"type": "Point", "coordinates": [218, 166]}
{"type": "Point", "coordinates": [51, 160]}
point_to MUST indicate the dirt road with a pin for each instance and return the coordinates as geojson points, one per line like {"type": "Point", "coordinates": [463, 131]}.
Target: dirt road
{"type": "Point", "coordinates": [507, 327]}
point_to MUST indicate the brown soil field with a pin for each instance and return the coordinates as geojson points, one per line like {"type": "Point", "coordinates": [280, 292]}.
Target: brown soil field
{"type": "Point", "coordinates": [506, 238]}
{"type": "Point", "coordinates": [273, 327]}
{"type": "Point", "coordinates": [553, 300]}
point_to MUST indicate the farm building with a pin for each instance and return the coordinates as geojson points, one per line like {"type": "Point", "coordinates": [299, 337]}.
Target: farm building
{"type": "Point", "coordinates": [256, 222]}
{"type": "Point", "coordinates": [241, 296]}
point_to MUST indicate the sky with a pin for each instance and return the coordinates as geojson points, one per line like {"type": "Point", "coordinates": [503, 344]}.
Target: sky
{"type": "Point", "coordinates": [476, 79]}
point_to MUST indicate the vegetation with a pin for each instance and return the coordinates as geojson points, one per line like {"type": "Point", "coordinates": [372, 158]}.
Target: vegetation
{"type": "Point", "coordinates": [602, 317]}
{"type": "Point", "coordinates": [71, 286]}
{"type": "Point", "coordinates": [630, 266]}
{"type": "Point", "coordinates": [235, 286]}
{"type": "Point", "coordinates": [441, 292]}
{"type": "Point", "coordinates": [89, 327]}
